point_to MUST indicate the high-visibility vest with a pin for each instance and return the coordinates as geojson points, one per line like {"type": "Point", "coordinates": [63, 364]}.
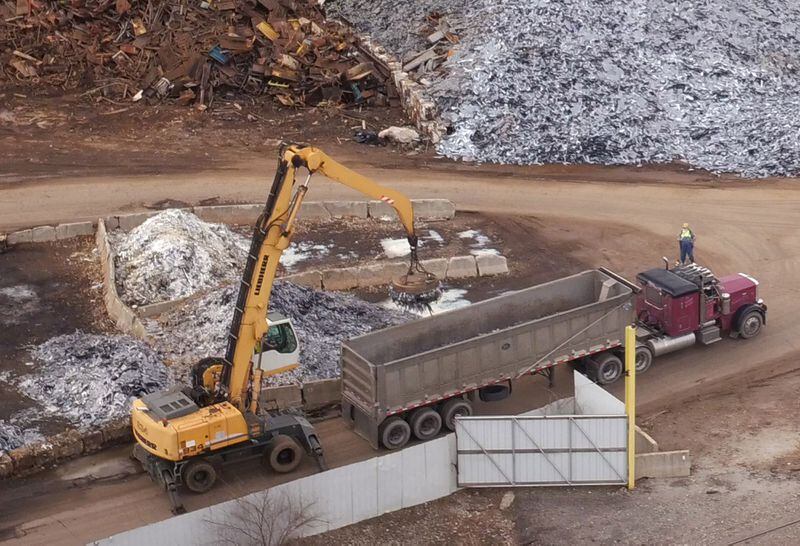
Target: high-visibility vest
{"type": "Point", "coordinates": [686, 234]}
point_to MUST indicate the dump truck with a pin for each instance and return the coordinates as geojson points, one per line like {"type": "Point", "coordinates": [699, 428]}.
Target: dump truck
{"type": "Point", "coordinates": [414, 379]}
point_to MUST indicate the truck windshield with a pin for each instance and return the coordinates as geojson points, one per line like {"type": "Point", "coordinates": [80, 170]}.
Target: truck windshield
{"type": "Point", "coordinates": [653, 296]}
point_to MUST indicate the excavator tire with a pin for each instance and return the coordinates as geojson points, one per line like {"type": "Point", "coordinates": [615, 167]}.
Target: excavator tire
{"type": "Point", "coordinates": [283, 454]}
{"type": "Point", "coordinates": [199, 475]}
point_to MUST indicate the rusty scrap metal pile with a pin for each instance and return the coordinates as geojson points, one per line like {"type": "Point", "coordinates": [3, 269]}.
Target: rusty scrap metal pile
{"type": "Point", "coordinates": [187, 51]}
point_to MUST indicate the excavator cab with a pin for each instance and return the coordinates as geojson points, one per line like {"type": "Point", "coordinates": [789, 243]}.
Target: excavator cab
{"type": "Point", "coordinates": [279, 350]}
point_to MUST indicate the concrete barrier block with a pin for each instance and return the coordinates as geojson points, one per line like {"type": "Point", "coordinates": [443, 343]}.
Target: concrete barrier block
{"type": "Point", "coordinates": [644, 442]}
{"type": "Point", "coordinates": [314, 210]}
{"type": "Point", "coordinates": [340, 279]}
{"type": "Point", "coordinates": [24, 236]}
{"type": "Point", "coordinates": [112, 222]}
{"type": "Point", "coordinates": [318, 394]}
{"type": "Point", "coordinates": [6, 466]}
{"type": "Point", "coordinates": [434, 209]}
{"type": "Point", "coordinates": [45, 453]}
{"type": "Point", "coordinates": [116, 432]}
{"type": "Point", "coordinates": [491, 264]}
{"type": "Point", "coordinates": [43, 234]}
{"type": "Point", "coordinates": [24, 457]}
{"type": "Point", "coordinates": [341, 209]}
{"type": "Point", "coordinates": [75, 229]}
{"type": "Point", "coordinates": [230, 214]}
{"type": "Point", "coordinates": [311, 279]}
{"type": "Point", "coordinates": [380, 273]}
{"type": "Point", "coordinates": [437, 266]}
{"type": "Point", "coordinates": [462, 266]}
{"type": "Point", "coordinates": [154, 309]}
{"type": "Point", "coordinates": [67, 444]}
{"type": "Point", "coordinates": [381, 211]}
{"type": "Point", "coordinates": [664, 464]}
{"type": "Point", "coordinates": [283, 397]}
{"type": "Point", "coordinates": [129, 221]}
{"type": "Point", "coordinates": [92, 441]}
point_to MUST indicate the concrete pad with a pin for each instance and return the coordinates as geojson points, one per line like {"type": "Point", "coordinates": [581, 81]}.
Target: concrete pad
{"type": "Point", "coordinates": [434, 209]}
{"type": "Point", "coordinates": [314, 210]}
{"type": "Point", "coordinates": [341, 209]}
{"type": "Point", "coordinates": [6, 466]}
{"type": "Point", "coordinates": [437, 266]}
{"type": "Point", "coordinates": [129, 221]}
{"type": "Point", "coordinates": [644, 442]}
{"type": "Point", "coordinates": [664, 464]}
{"type": "Point", "coordinates": [230, 214]}
{"type": "Point", "coordinates": [318, 394]}
{"type": "Point", "coordinates": [75, 229]}
{"type": "Point", "coordinates": [286, 396]}
{"type": "Point", "coordinates": [491, 264]}
{"type": "Point", "coordinates": [24, 236]}
{"type": "Point", "coordinates": [460, 267]}
{"type": "Point", "coordinates": [43, 234]}
{"type": "Point", "coordinates": [311, 279]}
{"type": "Point", "coordinates": [340, 279]}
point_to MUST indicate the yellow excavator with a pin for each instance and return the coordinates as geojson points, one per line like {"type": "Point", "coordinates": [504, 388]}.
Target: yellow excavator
{"type": "Point", "coordinates": [184, 436]}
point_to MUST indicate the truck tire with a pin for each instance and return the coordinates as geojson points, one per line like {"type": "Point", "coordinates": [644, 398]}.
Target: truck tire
{"type": "Point", "coordinates": [283, 454]}
{"type": "Point", "coordinates": [395, 433]}
{"type": "Point", "coordinates": [199, 475]}
{"type": "Point", "coordinates": [751, 324]}
{"type": "Point", "coordinates": [494, 393]}
{"type": "Point", "coordinates": [455, 407]}
{"type": "Point", "coordinates": [644, 359]}
{"type": "Point", "coordinates": [607, 368]}
{"type": "Point", "coordinates": [425, 423]}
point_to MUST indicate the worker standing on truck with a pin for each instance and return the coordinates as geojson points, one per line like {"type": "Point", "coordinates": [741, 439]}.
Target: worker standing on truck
{"type": "Point", "coordinates": [686, 241]}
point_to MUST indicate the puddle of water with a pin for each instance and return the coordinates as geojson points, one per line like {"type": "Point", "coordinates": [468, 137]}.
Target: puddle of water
{"type": "Point", "coordinates": [452, 298]}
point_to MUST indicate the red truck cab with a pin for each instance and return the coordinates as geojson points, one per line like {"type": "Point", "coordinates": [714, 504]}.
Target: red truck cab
{"type": "Point", "coordinates": [679, 307]}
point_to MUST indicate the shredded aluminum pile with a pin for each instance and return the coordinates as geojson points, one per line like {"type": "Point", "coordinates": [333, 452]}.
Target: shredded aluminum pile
{"type": "Point", "coordinates": [91, 379]}
{"type": "Point", "coordinates": [714, 84]}
{"type": "Point", "coordinates": [199, 328]}
{"type": "Point", "coordinates": [173, 255]}
{"type": "Point", "coordinates": [13, 436]}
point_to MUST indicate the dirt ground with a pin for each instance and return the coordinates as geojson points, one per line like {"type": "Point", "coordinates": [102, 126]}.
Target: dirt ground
{"type": "Point", "coordinates": [46, 290]}
{"type": "Point", "coordinates": [744, 485]}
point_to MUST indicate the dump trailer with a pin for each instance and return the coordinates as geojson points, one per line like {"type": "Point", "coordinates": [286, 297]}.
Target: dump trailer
{"type": "Point", "coordinates": [414, 379]}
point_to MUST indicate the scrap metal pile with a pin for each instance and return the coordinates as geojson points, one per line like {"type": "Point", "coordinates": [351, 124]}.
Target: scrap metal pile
{"type": "Point", "coordinates": [91, 379]}
{"type": "Point", "coordinates": [187, 51]}
{"type": "Point", "coordinates": [713, 84]}
{"type": "Point", "coordinates": [199, 327]}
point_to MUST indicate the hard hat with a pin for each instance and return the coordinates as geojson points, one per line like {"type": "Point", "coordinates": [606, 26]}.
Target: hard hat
{"type": "Point", "coordinates": [685, 225]}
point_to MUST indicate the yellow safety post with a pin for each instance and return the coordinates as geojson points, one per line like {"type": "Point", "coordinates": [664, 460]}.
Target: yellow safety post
{"type": "Point", "coordinates": [630, 400]}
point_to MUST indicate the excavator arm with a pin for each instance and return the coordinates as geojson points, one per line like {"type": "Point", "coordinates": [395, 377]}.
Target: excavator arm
{"type": "Point", "coordinates": [272, 235]}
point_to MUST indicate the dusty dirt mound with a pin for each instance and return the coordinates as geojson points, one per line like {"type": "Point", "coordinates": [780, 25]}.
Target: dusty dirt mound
{"type": "Point", "coordinates": [199, 327]}
{"type": "Point", "coordinates": [91, 379]}
{"type": "Point", "coordinates": [173, 255]}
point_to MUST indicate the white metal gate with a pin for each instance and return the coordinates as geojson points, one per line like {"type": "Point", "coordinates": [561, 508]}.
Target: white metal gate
{"type": "Point", "coordinates": [542, 450]}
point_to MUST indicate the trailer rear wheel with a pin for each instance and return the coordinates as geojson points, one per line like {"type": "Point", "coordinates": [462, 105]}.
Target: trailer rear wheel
{"type": "Point", "coordinates": [199, 475]}
{"type": "Point", "coordinates": [455, 407]}
{"type": "Point", "coordinates": [644, 359]}
{"type": "Point", "coordinates": [425, 423]}
{"type": "Point", "coordinates": [396, 433]}
{"type": "Point", "coordinates": [283, 454]}
{"type": "Point", "coordinates": [751, 325]}
{"type": "Point", "coordinates": [607, 368]}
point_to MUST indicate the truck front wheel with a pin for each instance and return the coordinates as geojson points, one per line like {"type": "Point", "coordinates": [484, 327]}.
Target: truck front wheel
{"type": "Point", "coordinates": [751, 325]}
{"type": "Point", "coordinates": [396, 433]}
{"type": "Point", "coordinates": [644, 359]}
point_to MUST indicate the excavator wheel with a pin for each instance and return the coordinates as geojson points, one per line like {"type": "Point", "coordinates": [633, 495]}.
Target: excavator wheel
{"type": "Point", "coordinates": [283, 454]}
{"type": "Point", "coordinates": [199, 475]}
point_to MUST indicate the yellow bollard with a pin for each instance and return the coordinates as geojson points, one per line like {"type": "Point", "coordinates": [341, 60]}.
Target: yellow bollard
{"type": "Point", "coordinates": [630, 401]}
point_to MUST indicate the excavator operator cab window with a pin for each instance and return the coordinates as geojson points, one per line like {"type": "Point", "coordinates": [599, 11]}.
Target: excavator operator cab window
{"type": "Point", "coordinates": [279, 350]}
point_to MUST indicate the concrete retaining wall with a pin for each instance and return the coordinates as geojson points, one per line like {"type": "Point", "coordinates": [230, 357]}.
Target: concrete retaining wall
{"type": "Point", "coordinates": [664, 464]}
{"type": "Point", "coordinates": [124, 317]}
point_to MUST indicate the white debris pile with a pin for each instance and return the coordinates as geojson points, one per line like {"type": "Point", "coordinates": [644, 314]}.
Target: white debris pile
{"type": "Point", "coordinates": [199, 327]}
{"type": "Point", "coordinates": [13, 436]}
{"type": "Point", "coordinates": [714, 84]}
{"type": "Point", "coordinates": [91, 379]}
{"type": "Point", "coordinates": [173, 255]}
